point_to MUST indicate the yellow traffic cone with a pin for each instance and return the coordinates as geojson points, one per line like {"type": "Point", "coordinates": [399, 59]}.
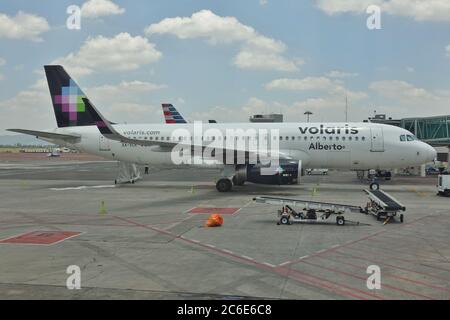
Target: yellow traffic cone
{"type": "Point", "coordinates": [102, 208]}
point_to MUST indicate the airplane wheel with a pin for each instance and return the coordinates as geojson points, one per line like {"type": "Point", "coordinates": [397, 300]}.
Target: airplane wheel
{"type": "Point", "coordinates": [340, 221]}
{"type": "Point", "coordinates": [374, 186]}
{"type": "Point", "coordinates": [402, 218]}
{"type": "Point", "coordinates": [284, 220]}
{"type": "Point", "coordinates": [224, 185]}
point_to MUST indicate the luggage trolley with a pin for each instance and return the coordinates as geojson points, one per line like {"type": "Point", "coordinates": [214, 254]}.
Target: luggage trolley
{"type": "Point", "coordinates": [312, 211]}
{"type": "Point", "coordinates": [383, 205]}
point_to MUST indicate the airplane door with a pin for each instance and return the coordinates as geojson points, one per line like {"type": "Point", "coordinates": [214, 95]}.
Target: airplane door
{"type": "Point", "coordinates": [104, 144]}
{"type": "Point", "coordinates": [377, 140]}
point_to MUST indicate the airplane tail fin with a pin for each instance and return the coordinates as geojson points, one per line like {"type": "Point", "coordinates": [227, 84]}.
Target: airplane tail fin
{"type": "Point", "coordinates": [171, 114]}
{"type": "Point", "coordinates": [67, 99]}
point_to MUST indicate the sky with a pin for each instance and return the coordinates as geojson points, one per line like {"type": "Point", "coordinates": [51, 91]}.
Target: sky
{"type": "Point", "coordinates": [227, 60]}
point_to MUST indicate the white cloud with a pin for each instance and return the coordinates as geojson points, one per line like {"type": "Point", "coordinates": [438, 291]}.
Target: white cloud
{"type": "Point", "coordinates": [2, 62]}
{"type": "Point", "coordinates": [420, 10]}
{"type": "Point", "coordinates": [100, 8]}
{"type": "Point", "coordinates": [309, 83]}
{"type": "Point", "coordinates": [120, 53]}
{"type": "Point", "coordinates": [323, 84]}
{"type": "Point", "coordinates": [255, 59]}
{"type": "Point", "coordinates": [447, 49]}
{"type": "Point", "coordinates": [402, 91]}
{"type": "Point", "coordinates": [401, 98]}
{"type": "Point", "coordinates": [23, 26]}
{"type": "Point", "coordinates": [257, 51]}
{"type": "Point", "coordinates": [127, 87]}
{"type": "Point", "coordinates": [341, 74]}
{"type": "Point", "coordinates": [263, 2]}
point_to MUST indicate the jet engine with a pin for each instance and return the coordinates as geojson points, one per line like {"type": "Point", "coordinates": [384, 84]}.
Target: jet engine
{"type": "Point", "coordinates": [286, 173]}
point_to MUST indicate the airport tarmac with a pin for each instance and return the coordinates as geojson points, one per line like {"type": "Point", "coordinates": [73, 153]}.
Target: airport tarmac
{"type": "Point", "coordinates": [144, 244]}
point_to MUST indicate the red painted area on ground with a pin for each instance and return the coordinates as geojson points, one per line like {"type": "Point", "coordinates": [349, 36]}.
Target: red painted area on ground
{"type": "Point", "coordinates": [41, 237]}
{"type": "Point", "coordinates": [202, 210]}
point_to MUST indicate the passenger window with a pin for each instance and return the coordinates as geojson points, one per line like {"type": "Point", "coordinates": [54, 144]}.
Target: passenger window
{"type": "Point", "coordinates": [287, 138]}
{"type": "Point", "coordinates": [337, 138]}
{"type": "Point", "coordinates": [402, 137]}
{"type": "Point", "coordinates": [281, 138]}
{"type": "Point", "coordinates": [356, 138]}
{"type": "Point", "coordinates": [343, 138]}
{"type": "Point", "coordinates": [306, 138]}
{"type": "Point", "coordinates": [350, 138]}
{"type": "Point", "coordinates": [363, 138]}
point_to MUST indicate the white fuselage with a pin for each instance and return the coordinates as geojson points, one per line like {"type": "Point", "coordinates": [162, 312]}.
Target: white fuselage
{"type": "Point", "coordinates": [355, 146]}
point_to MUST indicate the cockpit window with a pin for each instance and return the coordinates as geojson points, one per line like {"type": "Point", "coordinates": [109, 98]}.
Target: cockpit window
{"type": "Point", "coordinates": [410, 137]}
{"type": "Point", "coordinates": [402, 137]}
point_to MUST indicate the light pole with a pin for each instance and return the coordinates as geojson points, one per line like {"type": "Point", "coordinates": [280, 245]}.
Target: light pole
{"type": "Point", "coordinates": [308, 113]}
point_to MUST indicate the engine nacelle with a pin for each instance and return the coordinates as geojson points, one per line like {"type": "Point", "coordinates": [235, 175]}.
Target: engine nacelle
{"type": "Point", "coordinates": [287, 173]}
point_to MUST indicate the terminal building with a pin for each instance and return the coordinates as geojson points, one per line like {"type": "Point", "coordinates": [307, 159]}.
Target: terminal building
{"type": "Point", "coordinates": [273, 117]}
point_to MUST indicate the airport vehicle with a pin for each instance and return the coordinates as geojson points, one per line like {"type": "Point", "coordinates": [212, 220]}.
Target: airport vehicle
{"type": "Point", "coordinates": [430, 170]}
{"type": "Point", "coordinates": [234, 148]}
{"type": "Point", "coordinates": [444, 185]}
{"type": "Point", "coordinates": [386, 174]}
{"type": "Point", "coordinates": [54, 153]}
{"type": "Point", "coordinates": [311, 211]}
{"type": "Point", "coordinates": [380, 204]}
{"type": "Point", "coordinates": [316, 171]}
{"type": "Point", "coordinates": [383, 205]}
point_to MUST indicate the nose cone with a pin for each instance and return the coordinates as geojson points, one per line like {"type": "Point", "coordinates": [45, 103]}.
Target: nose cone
{"type": "Point", "coordinates": [430, 153]}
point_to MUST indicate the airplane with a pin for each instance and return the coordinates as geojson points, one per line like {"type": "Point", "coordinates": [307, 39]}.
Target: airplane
{"type": "Point", "coordinates": [294, 146]}
{"type": "Point", "coordinates": [171, 114]}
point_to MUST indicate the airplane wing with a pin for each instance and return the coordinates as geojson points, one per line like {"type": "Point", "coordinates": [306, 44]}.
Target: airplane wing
{"type": "Point", "coordinates": [47, 135]}
{"type": "Point", "coordinates": [109, 132]}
